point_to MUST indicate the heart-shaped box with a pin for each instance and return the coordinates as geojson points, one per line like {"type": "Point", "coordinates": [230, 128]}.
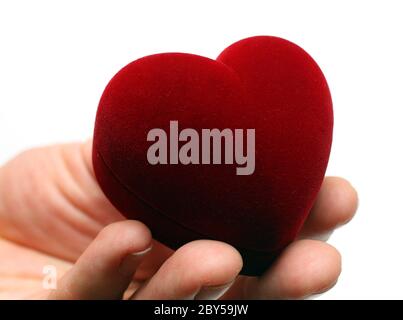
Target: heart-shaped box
{"type": "Point", "coordinates": [266, 84]}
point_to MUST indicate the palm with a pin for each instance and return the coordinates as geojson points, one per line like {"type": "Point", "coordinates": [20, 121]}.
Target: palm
{"type": "Point", "coordinates": [51, 208]}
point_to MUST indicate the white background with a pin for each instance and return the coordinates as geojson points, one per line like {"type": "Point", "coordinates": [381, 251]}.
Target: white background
{"type": "Point", "coordinates": [56, 58]}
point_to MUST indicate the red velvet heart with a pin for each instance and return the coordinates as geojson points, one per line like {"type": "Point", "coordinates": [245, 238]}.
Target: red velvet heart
{"type": "Point", "coordinates": [262, 83]}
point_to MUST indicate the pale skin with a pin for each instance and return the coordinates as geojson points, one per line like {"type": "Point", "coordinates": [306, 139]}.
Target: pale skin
{"type": "Point", "coordinates": [52, 212]}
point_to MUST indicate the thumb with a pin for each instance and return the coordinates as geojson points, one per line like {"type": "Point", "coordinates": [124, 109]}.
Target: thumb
{"type": "Point", "coordinates": [106, 268]}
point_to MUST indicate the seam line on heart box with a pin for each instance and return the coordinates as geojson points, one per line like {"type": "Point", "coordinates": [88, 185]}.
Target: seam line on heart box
{"type": "Point", "coordinates": [161, 213]}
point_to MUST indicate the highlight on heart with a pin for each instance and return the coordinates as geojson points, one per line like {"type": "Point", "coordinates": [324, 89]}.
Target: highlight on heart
{"type": "Point", "coordinates": [194, 151]}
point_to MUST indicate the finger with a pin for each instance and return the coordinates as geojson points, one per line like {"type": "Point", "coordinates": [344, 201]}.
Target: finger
{"type": "Point", "coordinates": [305, 268]}
{"type": "Point", "coordinates": [106, 268]}
{"type": "Point", "coordinates": [202, 269]}
{"type": "Point", "coordinates": [335, 205]}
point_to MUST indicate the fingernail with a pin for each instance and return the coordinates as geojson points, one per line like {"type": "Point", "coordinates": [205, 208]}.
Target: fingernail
{"type": "Point", "coordinates": [317, 294]}
{"type": "Point", "coordinates": [323, 236]}
{"type": "Point", "coordinates": [132, 261]}
{"type": "Point", "coordinates": [213, 292]}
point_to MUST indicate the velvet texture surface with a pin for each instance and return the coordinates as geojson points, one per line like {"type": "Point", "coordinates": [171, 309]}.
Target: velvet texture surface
{"type": "Point", "coordinates": [265, 83]}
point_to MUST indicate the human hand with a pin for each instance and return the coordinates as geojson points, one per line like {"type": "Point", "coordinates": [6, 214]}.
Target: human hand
{"type": "Point", "coordinates": [52, 212]}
